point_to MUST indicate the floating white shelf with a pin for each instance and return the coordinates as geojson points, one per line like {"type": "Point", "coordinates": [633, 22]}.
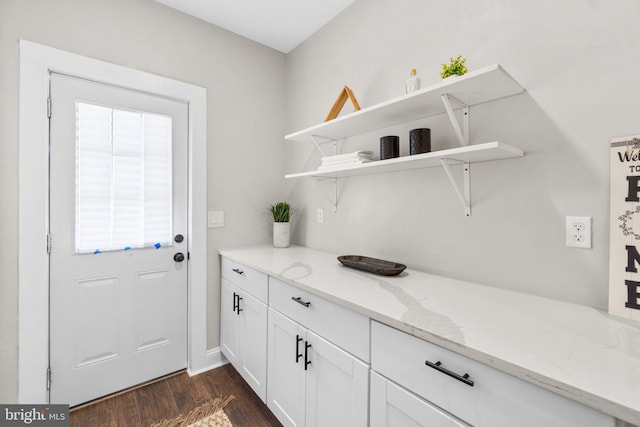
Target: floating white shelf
{"type": "Point", "coordinates": [484, 85]}
{"type": "Point", "coordinates": [469, 154]}
{"type": "Point", "coordinates": [476, 87]}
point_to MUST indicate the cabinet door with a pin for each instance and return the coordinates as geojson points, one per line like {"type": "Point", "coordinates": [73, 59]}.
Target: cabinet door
{"type": "Point", "coordinates": [253, 344]}
{"type": "Point", "coordinates": [285, 369]}
{"type": "Point", "coordinates": [337, 386]}
{"type": "Point", "coordinates": [229, 323]}
{"type": "Point", "coordinates": [393, 406]}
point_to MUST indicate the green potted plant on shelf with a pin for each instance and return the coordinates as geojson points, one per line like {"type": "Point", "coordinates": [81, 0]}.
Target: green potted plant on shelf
{"type": "Point", "coordinates": [456, 67]}
{"type": "Point", "coordinates": [281, 213]}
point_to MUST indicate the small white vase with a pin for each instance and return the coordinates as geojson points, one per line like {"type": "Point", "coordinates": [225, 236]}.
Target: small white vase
{"type": "Point", "coordinates": [281, 234]}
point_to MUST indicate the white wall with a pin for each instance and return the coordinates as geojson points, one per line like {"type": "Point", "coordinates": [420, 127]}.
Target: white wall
{"type": "Point", "coordinates": [577, 59]}
{"type": "Point", "coordinates": [245, 85]}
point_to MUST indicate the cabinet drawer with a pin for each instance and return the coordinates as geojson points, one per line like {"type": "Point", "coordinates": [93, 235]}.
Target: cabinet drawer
{"type": "Point", "coordinates": [337, 324]}
{"type": "Point", "coordinates": [247, 279]}
{"type": "Point", "coordinates": [494, 399]}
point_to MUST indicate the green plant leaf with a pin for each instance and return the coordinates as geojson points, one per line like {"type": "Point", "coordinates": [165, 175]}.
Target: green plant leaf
{"type": "Point", "coordinates": [456, 67]}
{"type": "Point", "coordinates": [281, 212]}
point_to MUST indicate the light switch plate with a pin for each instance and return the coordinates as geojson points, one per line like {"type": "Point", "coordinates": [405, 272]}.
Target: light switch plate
{"type": "Point", "coordinates": [215, 219]}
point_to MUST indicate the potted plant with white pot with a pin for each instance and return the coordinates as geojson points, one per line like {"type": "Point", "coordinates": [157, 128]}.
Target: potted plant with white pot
{"type": "Point", "coordinates": [281, 213]}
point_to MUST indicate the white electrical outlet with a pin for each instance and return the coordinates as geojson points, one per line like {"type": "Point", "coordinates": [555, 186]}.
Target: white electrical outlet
{"type": "Point", "coordinates": [320, 215]}
{"type": "Point", "coordinates": [578, 231]}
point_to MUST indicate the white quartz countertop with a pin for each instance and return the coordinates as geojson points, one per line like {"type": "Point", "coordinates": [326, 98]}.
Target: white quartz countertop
{"type": "Point", "coordinates": [576, 351]}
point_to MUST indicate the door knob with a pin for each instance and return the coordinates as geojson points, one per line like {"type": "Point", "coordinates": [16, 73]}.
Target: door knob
{"type": "Point", "coordinates": [179, 257]}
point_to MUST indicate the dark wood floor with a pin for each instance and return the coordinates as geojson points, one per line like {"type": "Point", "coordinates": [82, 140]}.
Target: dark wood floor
{"type": "Point", "coordinates": [175, 395]}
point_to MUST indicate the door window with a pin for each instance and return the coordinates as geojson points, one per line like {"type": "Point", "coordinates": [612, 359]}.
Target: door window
{"type": "Point", "coordinates": [123, 179]}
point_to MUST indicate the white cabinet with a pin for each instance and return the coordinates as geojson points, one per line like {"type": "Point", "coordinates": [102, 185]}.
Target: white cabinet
{"type": "Point", "coordinates": [312, 382]}
{"type": "Point", "coordinates": [317, 354]}
{"type": "Point", "coordinates": [243, 324]}
{"type": "Point", "coordinates": [393, 406]}
{"type": "Point", "coordinates": [343, 327]}
{"type": "Point", "coordinates": [471, 391]}
{"type": "Point", "coordinates": [404, 389]}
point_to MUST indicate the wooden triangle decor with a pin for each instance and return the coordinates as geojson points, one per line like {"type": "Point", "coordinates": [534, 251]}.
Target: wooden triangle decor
{"type": "Point", "coordinates": [342, 98]}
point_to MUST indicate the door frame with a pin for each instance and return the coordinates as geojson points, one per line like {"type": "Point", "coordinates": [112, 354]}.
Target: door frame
{"type": "Point", "coordinates": [36, 62]}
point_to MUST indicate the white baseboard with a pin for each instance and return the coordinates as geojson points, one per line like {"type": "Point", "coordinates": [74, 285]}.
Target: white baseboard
{"type": "Point", "coordinates": [215, 359]}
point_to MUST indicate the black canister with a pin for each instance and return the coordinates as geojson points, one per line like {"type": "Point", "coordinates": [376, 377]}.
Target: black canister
{"type": "Point", "coordinates": [389, 147]}
{"type": "Point", "coordinates": [419, 141]}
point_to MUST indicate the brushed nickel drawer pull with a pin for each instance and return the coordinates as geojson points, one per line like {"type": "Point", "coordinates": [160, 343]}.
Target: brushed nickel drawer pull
{"type": "Point", "coordinates": [300, 301]}
{"type": "Point", "coordinates": [438, 367]}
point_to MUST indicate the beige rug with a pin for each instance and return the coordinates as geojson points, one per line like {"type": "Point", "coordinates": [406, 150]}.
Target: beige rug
{"type": "Point", "coordinates": [210, 414]}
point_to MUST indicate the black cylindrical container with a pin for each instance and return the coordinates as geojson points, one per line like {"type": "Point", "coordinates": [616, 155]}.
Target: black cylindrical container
{"type": "Point", "coordinates": [389, 147]}
{"type": "Point", "coordinates": [419, 141]}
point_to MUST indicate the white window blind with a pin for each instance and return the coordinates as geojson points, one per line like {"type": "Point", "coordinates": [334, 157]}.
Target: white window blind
{"type": "Point", "coordinates": [123, 179]}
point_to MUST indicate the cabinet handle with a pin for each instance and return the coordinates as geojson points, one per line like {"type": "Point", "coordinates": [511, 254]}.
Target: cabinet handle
{"type": "Point", "coordinates": [307, 362]}
{"type": "Point", "coordinates": [235, 301]}
{"type": "Point", "coordinates": [300, 301]}
{"type": "Point", "coordinates": [237, 270]}
{"type": "Point", "coordinates": [239, 309]}
{"type": "Point", "coordinates": [298, 355]}
{"type": "Point", "coordinates": [438, 367]}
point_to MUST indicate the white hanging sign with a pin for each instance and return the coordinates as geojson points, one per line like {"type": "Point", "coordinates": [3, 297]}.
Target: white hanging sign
{"type": "Point", "coordinates": [624, 234]}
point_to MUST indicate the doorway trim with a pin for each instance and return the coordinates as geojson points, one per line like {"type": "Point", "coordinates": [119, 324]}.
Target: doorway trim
{"type": "Point", "coordinates": [36, 62]}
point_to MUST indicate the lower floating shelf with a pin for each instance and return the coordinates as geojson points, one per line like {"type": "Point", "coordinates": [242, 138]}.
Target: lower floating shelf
{"type": "Point", "coordinates": [472, 153]}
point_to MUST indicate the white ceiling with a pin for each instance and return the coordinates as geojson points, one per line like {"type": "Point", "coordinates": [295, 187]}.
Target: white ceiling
{"type": "Point", "coordinates": [280, 24]}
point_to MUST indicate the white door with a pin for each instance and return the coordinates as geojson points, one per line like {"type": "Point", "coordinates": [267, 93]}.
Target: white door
{"type": "Point", "coordinates": [337, 386]}
{"type": "Point", "coordinates": [118, 216]}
